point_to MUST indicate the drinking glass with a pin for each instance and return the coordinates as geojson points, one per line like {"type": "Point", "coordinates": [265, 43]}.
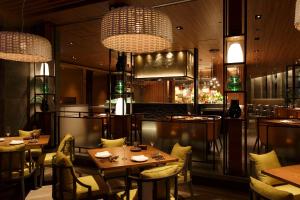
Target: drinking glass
{"type": "Point", "coordinates": [7, 131]}
{"type": "Point", "coordinates": [124, 149]}
{"type": "Point", "coordinates": [152, 143]}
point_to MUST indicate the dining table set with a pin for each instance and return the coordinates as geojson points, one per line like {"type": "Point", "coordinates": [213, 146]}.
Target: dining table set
{"type": "Point", "coordinates": [30, 143]}
{"type": "Point", "coordinates": [129, 157]}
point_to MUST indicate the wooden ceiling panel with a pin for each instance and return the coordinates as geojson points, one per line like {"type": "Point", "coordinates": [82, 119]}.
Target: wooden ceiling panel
{"type": "Point", "coordinates": [279, 41]}
{"type": "Point", "coordinates": [79, 23]}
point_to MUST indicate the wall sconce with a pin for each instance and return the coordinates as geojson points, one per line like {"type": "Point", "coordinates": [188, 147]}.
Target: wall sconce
{"type": "Point", "coordinates": [44, 71]}
{"type": "Point", "coordinates": [235, 49]}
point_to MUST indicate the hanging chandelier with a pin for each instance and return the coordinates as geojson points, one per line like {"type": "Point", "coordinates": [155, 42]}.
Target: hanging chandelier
{"type": "Point", "coordinates": [24, 47]}
{"type": "Point", "coordinates": [136, 30]}
{"type": "Point", "coordinates": [297, 15]}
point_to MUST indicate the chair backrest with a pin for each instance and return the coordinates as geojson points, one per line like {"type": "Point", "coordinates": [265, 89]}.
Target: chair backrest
{"type": "Point", "coordinates": [187, 167]}
{"type": "Point", "coordinates": [67, 146]}
{"type": "Point", "coordinates": [12, 159]}
{"type": "Point", "coordinates": [63, 177]}
{"type": "Point", "coordinates": [161, 184]}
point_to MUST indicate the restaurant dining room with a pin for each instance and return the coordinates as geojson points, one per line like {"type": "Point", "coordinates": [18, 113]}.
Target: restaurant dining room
{"type": "Point", "coordinates": [150, 100]}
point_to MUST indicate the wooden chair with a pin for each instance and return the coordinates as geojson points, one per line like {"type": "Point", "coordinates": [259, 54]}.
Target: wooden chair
{"type": "Point", "coordinates": [161, 185]}
{"type": "Point", "coordinates": [185, 176]}
{"type": "Point", "coordinates": [263, 191]}
{"type": "Point", "coordinates": [66, 146]}
{"type": "Point", "coordinates": [184, 155]}
{"type": "Point", "coordinates": [14, 168]}
{"type": "Point", "coordinates": [266, 187]}
{"type": "Point", "coordinates": [66, 185]}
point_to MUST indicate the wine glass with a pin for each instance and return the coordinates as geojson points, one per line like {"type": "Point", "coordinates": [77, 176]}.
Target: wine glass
{"type": "Point", "coordinates": [124, 149]}
{"type": "Point", "coordinates": [7, 131]}
{"type": "Point", "coordinates": [152, 143]}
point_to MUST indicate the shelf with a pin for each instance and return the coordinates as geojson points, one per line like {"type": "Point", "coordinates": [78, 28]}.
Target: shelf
{"type": "Point", "coordinates": [121, 73]}
{"type": "Point", "coordinates": [240, 91]}
{"type": "Point", "coordinates": [239, 63]}
{"type": "Point", "coordinates": [42, 76]}
{"type": "Point", "coordinates": [122, 94]}
{"type": "Point", "coordinates": [49, 94]}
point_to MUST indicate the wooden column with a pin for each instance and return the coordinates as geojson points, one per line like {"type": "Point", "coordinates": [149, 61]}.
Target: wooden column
{"type": "Point", "coordinates": [196, 80]}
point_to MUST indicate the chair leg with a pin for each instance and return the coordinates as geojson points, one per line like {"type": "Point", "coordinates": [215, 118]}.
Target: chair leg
{"type": "Point", "coordinates": [191, 189]}
{"type": "Point", "coordinates": [250, 195]}
{"type": "Point", "coordinates": [22, 189]}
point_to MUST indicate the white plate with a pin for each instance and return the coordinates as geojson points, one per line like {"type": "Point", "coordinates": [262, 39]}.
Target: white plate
{"type": "Point", "coordinates": [102, 154]}
{"type": "Point", "coordinates": [2, 139]}
{"type": "Point", "coordinates": [140, 158]}
{"type": "Point", "coordinates": [16, 142]}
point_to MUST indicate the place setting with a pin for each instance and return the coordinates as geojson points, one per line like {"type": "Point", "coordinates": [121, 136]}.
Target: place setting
{"type": "Point", "coordinates": [106, 155]}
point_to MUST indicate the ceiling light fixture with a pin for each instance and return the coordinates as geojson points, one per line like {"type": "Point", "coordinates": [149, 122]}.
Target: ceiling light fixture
{"type": "Point", "coordinates": [136, 30]}
{"type": "Point", "coordinates": [24, 47]}
{"type": "Point", "coordinates": [179, 28]}
{"type": "Point", "coordinates": [297, 15]}
{"type": "Point", "coordinates": [258, 17]}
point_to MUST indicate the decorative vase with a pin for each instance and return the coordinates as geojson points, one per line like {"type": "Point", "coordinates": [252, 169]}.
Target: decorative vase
{"type": "Point", "coordinates": [234, 110]}
{"type": "Point", "coordinates": [44, 105]}
{"type": "Point", "coordinates": [234, 83]}
{"type": "Point", "coordinates": [119, 88]}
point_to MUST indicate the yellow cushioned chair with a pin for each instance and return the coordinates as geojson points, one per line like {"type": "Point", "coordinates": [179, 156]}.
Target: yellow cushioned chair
{"type": "Point", "coordinates": [285, 192]}
{"type": "Point", "coordinates": [66, 146]}
{"type": "Point", "coordinates": [35, 153]}
{"type": "Point", "coordinates": [263, 162]}
{"type": "Point", "coordinates": [66, 185]}
{"type": "Point", "coordinates": [106, 143]}
{"type": "Point", "coordinates": [157, 180]}
{"type": "Point", "coordinates": [184, 155]}
{"type": "Point", "coordinates": [13, 167]}
{"type": "Point", "coordinates": [114, 178]}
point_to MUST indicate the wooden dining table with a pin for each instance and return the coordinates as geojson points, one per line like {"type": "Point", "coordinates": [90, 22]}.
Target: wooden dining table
{"type": "Point", "coordinates": [29, 144]}
{"type": "Point", "coordinates": [120, 163]}
{"type": "Point", "coordinates": [289, 174]}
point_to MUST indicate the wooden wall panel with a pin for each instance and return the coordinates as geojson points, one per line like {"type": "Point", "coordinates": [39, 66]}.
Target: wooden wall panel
{"type": "Point", "coordinates": [99, 88]}
{"type": "Point", "coordinates": [72, 84]}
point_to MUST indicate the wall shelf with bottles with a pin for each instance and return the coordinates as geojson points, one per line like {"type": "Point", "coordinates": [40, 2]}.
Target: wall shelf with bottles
{"type": "Point", "coordinates": [44, 97]}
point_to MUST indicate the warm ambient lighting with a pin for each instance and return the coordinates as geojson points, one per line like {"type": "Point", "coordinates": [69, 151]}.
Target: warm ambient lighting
{"type": "Point", "coordinates": [136, 30]}
{"type": "Point", "coordinates": [120, 105]}
{"type": "Point", "coordinates": [297, 15]}
{"type": "Point", "coordinates": [44, 71]}
{"type": "Point", "coordinates": [24, 47]}
{"type": "Point", "coordinates": [235, 53]}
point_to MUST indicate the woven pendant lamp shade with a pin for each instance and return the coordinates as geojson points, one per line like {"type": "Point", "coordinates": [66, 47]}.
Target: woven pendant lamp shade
{"type": "Point", "coordinates": [136, 30]}
{"type": "Point", "coordinates": [24, 47]}
{"type": "Point", "coordinates": [297, 15]}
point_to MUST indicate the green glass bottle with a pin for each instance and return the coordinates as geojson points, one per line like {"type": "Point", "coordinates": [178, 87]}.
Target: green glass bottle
{"type": "Point", "coordinates": [234, 83]}
{"type": "Point", "coordinates": [119, 88]}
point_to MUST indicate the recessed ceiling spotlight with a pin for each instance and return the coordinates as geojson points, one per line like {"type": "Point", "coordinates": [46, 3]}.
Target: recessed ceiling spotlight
{"type": "Point", "coordinates": [257, 17]}
{"type": "Point", "coordinates": [179, 27]}
{"type": "Point", "coordinates": [71, 43]}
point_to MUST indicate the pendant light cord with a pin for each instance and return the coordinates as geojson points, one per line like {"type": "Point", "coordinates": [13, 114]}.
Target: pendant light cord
{"type": "Point", "coordinates": [22, 15]}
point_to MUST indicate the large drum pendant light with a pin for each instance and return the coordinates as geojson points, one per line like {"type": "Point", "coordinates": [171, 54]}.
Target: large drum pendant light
{"type": "Point", "coordinates": [24, 47]}
{"type": "Point", "coordinates": [297, 15]}
{"type": "Point", "coordinates": [136, 30]}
